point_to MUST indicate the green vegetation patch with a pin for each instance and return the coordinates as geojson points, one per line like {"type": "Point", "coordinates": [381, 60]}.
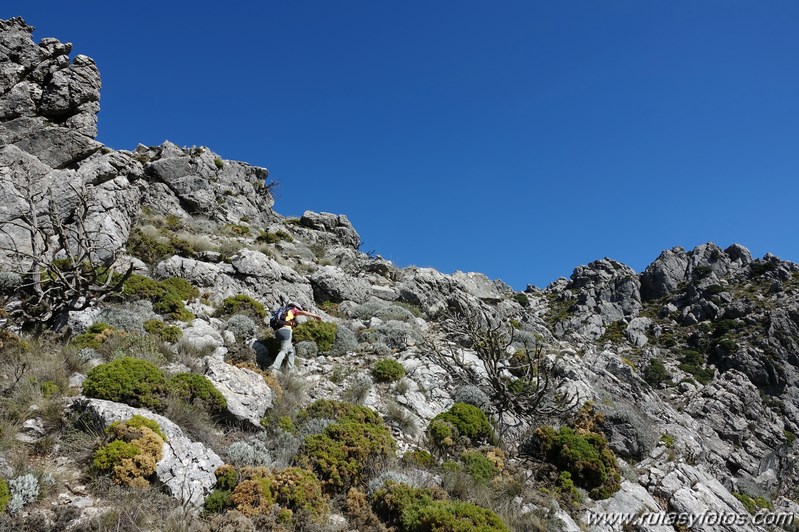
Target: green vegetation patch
{"type": "Point", "coordinates": [197, 389]}
{"type": "Point", "coordinates": [241, 304]}
{"type": "Point", "coordinates": [467, 419]}
{"type": "Point", "coordinates": [388, 370]}
{"type": "Point", "coordinates": [5, 495]}
{"type": "Point", "coordinates": [322, 333]}
{"type": "Point", "coordinates": [585, 455]}
{"type": "Point", "coordinates": [127, 380]}
{"type": "Point", "coordinates": [162, 331]}
{"type": "Point", "coordinates": [132, 456]}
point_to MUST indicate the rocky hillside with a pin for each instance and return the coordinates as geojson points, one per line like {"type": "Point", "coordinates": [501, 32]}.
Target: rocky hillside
{"type": "Point", "coordinates": [136, 288]}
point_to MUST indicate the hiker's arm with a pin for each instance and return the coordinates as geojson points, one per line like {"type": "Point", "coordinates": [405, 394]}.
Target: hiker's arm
{"type": "Point", "coordinates": [309, 314]}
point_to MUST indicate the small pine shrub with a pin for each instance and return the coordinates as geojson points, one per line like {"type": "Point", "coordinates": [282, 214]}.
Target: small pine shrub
{"type": "Point", "coordinates": [162, 331]}
{"type": "Point", "coordinates": [141, 287]}
{"type": "Point", "coordinates": [456, 516]}
{"type": "Point", "coordinates": [93, 338]}
{"type": "Point", "coordinates": [241, 304]}
{"type": "Point", "coordinates": [522, 299]}
{"type": "Point", "coordinates": [656, 373]}
{"type": "Point", "coordinates": [180, 287]}
{"type": "Point", "coordinates": [346, 452]}
{"type": "Point", "coordinates": [126, 380]}
{"type": "Point", "coordinates": [133, 455]}
{"type": "Point", "coordinates": [388, 370]}
{"type": "Point", "coordinates": [322, 333]}
{"type": "Point", "coordinates": [5, 493]}
{"type": "Point", "coordinates": [217, 502]}
{"type": "Point", "coordinates": [479, 467]}
{"type": "Point", "coordinates": [197, 389]}
{"type": "Point", "coordinates": [585, 455]}
{"type": "Point", "coordinates": [171, 306]}
{"type": "Point", "coordinates": [338, 411]}
{"type": "Point", "coordinates": [469, 421]}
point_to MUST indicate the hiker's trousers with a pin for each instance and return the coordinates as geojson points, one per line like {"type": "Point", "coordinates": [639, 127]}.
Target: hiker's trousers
{"type": "Point", "coordinates": [286, 348]}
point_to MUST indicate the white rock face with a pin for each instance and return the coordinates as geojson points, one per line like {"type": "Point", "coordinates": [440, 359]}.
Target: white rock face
{"type": "Point", "coordinates": [248, 396]}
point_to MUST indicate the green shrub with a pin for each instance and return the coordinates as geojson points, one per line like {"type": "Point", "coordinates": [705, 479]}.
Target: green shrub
{"type": "Point", "coordinates": [457, 516]}
{"type": "Point", "coordinates": [133, 455]}
{"type": "Point", "coordinates": [339, 411]}
{"type": "Point", "coordinates": [790, 437]}
{"type": "Point", "coordinates": [693, 362]}
{"type": "Point", "coordinates": [194, 389]}
{"type": "Point", "coordinates": [298, 489]}
{"type": "Point", "coordinates": [346, 452]}
{"type": "Point", "coordinates": [226, 477]}
{"type": "Point", "coordinates": [441, 432]}
{"type": "Point", "coordinates": [418, 458]}
{"type": "Point", "coordinates": [585, 455]}
{"type": "Point", "coordinates": [164, 332]}
{"type": "Point", "coordinates": [141, 287]}
{"type": "Point", "coordinates": [469, 421]}
{"type": "Point", "coordinates": [217, 502]}
{"type": "Point", "coordinates": [410, 509]}
{"type": "Point", "coordinates": [93, 338]}
{"type": "Point", "coordinates": [322, 333]}
{"type": "Point", "coordinates": [180, 287]}
{"type": "Point", "coordinates": [656, 373]}
{"type": "Point", "coordinates": [753, 504]}
{"type": "Point", "coordinates": [219, 163]}
{"type": "Point", "coordinates": [136, 422]}
{"type": "Point", "coordinates": [522, 299]}
{"type": "Point", "coordinates": [388, 370]}
{"type": "Point", "coordinates": [5, 495]}
{"type": "Point", "coordinates": [146, 247]}
{"type": "Point", "coordinates": [479, 467]}
{"type": "Point", "coordinates": [126, 380]}
{"type": "Point", "coordinates": [171, 306]}
{"type": "Point", "coordinates": [237, 229]}
{"type": "Point", "coordinates": [241, 304]}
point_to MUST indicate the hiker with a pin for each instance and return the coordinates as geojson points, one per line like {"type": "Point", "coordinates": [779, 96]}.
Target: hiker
{"type": "Point", "coordinates": [284, 321]}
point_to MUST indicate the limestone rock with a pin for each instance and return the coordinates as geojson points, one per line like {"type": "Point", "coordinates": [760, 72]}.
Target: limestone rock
{"type": "Point", "coordinates": [248, 396]}
{"type": "Point", "coordinates": [334, 228]}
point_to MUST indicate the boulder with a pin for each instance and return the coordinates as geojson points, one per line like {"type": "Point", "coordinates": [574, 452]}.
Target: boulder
{"type": "Point", "coordinates": [248, 396]}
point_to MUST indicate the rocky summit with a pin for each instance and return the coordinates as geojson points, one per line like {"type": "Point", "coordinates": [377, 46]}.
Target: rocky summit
{"type": "Point", "coordinates": [135, 348]}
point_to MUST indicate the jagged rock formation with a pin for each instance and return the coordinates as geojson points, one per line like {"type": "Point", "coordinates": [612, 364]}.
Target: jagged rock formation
{"type": "Point", "coordinates": [694, 363]}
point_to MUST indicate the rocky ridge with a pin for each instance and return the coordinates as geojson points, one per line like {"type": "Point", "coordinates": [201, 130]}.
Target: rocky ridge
{"type": "Point", "coordinates": [694, 362]}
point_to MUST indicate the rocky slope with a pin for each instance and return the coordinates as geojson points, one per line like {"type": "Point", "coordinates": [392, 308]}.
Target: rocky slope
{"type": "Point", "coordinates": [693, 364]}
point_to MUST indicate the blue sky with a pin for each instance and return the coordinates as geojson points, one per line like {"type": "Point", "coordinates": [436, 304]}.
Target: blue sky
{"type": "Point", "coordinates": [516, 138]}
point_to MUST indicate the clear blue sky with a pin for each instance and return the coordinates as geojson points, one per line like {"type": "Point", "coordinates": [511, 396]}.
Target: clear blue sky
{"type": "Point", "coordinates": [515, 138]}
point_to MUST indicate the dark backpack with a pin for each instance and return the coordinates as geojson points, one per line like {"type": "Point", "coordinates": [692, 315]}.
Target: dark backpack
{"type": "Point", "coordinates": [278, 318]}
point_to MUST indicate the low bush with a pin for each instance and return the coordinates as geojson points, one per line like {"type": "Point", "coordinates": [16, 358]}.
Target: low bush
{"type": "Point", "coordinates": [197, 389]}
{"type": "Point", "coordinates": [180, 287]}
{"type": "Point", "coordinates": [693, 362]}
{"type": "Point", "coordinates": [656, 373]}
{"type": "Point", "coordinates": [93, 338]}
{"type": "Point", "coordinates": [478, 466]}
{"type": "Point", "coordinates": [241, 304]}
{"type": "Point", "coordinates": [133, 454]}
{"type": "Point", "coordinates": [294, 489]}
{"type": "Point", "coordinates": [342, 455]}
{"type": "Point", "coordinates": [322, 333]}
{"type": "Point", "coordinates": [467, 420]}
{"type": "Point", "coordinates": [388, 370]}
{"type": "Point", "coordinates": [585, 455]}
{"type": "Point", "coordinates": [167, 296]}
{"type": "Point", "coordinates": [412, 509]}
{"type": "Point", "coordinates": [5, 495]}
{"type": "Point", "coordinates": [127, 380]}
{"type": "Point", "coordinates": [162, 331]}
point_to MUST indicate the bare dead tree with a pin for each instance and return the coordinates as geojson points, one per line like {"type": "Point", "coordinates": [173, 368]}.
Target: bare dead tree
{"type": "Point", "coordinates": [516, 372]}
{"type": "Point", "coordinates": [61, 260]}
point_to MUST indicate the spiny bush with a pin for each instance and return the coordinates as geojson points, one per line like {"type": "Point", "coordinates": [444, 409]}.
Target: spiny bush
{"type": "Point", "coordinates": [467, 420]}
{"type": "Point", "coordinates": [180, 287]}
{"type": "Point", "coordinates": [478, 466]}
{"type": "Point", "coordinates": [656, 373]}
{"type": "Point", "coordinates": [162, 331]}
{"type": "Point", "coordinates": [412, 509]}
{"type": "Point", "coordinates": [241, 304]}
{"type": "Point", "coordinates": [345, 451]}
{"type": "Point", "coordinates": [388, 370]}
{"type": "Point", "coordinates": [197, 389]}
{"type": "Point", "coordinates": [294, 489]}
{"type": "Point", "coordinates": [126, 380]}
{"type": "Point", "coordinates": [167, 296]}
{"type": "Point", "coordinates": [133, 454]}
{"type": "Point", "coordinates": [585, 455]}
{"type": "Point", "coordinates": [93, 338]}
{"type": "Point", "coordinates": [5, 495]}
{"type": "Point", "coordinates": [322, 333]}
